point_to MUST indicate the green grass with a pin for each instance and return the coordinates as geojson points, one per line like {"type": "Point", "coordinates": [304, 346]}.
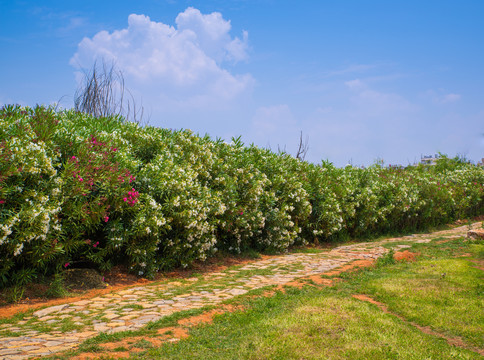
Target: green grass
{"type": "Point", "coordinates": [143, 344]}
{"type": "Point", "coordinates": [121, 348]}
{"type": "Point", "coordinates": [443, 292]}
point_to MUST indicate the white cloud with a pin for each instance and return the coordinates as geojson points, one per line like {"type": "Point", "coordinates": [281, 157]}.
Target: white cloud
{"type": "Point", "coordinates": [449, 98]}
{"type": "Point", "coordinates": [355, 84]}
{"type": "Point", "coordinates": [212, 33]}
{"type": "Point", "coordinates": [368, 101]}
{"type": "Point", "coordinates": [438, 97]}
{"type": "Point", "coordinates": [173, 68]}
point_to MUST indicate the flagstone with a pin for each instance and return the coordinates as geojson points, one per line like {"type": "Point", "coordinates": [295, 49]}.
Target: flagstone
{"type": "Point", "coordinates": [49, 310]}
{"type": "Point", "coordinates": [16, 357]}
{"type": "Point", "coordinates": [100, 327]}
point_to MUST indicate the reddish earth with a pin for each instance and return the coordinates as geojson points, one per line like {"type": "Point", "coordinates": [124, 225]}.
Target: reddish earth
{"type": "Point", "coordinates": [301, 282]}
{"type": "Point", "coordinates": [318, 280]}
{"type": "Point", "coordinates": [404, 256]}
{"type": "Point", "coordinates": [443, 241]}
{"type": "Point", "coordinates": [355, 265]}
{"type": "Point", "coordinates": [366, 298]}
{"type": "Point", "coordinates": [479, 264]}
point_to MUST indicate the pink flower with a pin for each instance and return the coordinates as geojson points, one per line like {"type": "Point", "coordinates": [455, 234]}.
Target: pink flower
{"type": "Point", "coordinates": [241, 212]}
{"type": "Point", "coordinates": [106, 218]}
{"type": "Point", "coordinates": [66, 264]}
{"type": "Point", "coordinates": [96, 244]}
{"type": "Point", "coordinates": [81, 179]}
{"type": "Point", "coordinates": [125, 199]}
{"type": "Point", "coordinates": [73, 158]}
{"type": "Point", "coordinates": [2, 201]}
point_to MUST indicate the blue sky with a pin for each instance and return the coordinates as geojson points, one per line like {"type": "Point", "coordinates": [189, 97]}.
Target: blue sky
{"type": "Point", "coordinates": [363, 80]}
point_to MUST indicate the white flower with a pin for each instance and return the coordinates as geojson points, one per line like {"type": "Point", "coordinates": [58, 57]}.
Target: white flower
{"type": "Point", "coordinates": [18, 250]}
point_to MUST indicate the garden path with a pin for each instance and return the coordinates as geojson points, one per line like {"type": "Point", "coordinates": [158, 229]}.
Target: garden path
{"type": "Point", "coordinates": [62, 327]}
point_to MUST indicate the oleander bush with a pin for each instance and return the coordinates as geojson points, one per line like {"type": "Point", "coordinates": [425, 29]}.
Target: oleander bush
{"type": "Point", "coordinates": [75, 189]}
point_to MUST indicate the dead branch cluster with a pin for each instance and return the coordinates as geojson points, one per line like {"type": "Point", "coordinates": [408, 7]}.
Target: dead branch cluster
{"type": "Point", "coordinates": [102, 93]}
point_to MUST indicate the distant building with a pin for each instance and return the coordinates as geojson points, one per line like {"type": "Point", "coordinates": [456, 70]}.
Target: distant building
{"type": "Point", "coordinates": [429, 159]}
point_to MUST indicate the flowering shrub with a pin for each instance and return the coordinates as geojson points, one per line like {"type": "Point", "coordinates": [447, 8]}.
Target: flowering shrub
{"type": "Point", "coordinates": [76, 189]}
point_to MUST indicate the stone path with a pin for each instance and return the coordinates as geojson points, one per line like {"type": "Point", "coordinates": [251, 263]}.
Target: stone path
{"type": "Point", "coordinates": [62, 327]}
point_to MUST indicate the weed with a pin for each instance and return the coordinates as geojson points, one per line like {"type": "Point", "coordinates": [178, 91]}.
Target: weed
{"type": "Point", "coordinates": [120, 348]}
{"type": "Point", "coordinates": [172, 320]}
{"type": "Point", "coordinates": [387, 259]}
{"type": "Point", "coordinates": [56, 287]}
{"type": "Point", "coordinates": [143, 344]}
{"type": "Point", "coordinates": [94, 348]}
{"type": "Point", "coordinates": [15, 293]}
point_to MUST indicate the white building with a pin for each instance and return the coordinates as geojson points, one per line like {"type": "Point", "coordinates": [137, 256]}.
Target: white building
{"type": "Point", "coordinates": [429, 159]}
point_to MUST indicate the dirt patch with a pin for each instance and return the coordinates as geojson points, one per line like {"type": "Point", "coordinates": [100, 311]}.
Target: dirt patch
{"type": "Point", "coordinates": [479, 263]}
{"type": "Point", "coordinates": [318, 280]}
{"type": "Point", "coordinates": [173, 332]}
{"type": "Point", "coordinates": [405, 256]}
{"type": "Point", "coordinates": [443, 241]}
{"type": "Point", "coordinates": [466, 221]}
{"type": "Point", "coordinates": [91, 356]}
{"type": "Point", "coordinates": [366, 298]}
{"type": "Point", "coordinates": [355, 265]}
{"type": "Point", "coordinates": [205, 318]}
{"type": "Point", "coordinates": [312, 280]}
{"type": "Point", "coordinates": [132, 345]}
{"type": "Point", "coordinates": [455, 341]}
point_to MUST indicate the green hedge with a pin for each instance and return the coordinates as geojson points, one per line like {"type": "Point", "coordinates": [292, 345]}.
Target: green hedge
{"type": "Point", "coordinates": [76, 189]}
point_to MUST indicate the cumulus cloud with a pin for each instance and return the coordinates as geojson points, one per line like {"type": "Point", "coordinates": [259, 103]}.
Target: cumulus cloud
{"type": "Point", "coordinates": [178, 66]}
{"type": "Point", "coordinates": [212, 33]}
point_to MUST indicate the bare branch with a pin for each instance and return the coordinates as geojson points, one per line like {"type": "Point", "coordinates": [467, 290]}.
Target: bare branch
{"type": "Point", "coordinates": [102, 94]}
{"type": "Point", "coordinates": [303, 147]}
